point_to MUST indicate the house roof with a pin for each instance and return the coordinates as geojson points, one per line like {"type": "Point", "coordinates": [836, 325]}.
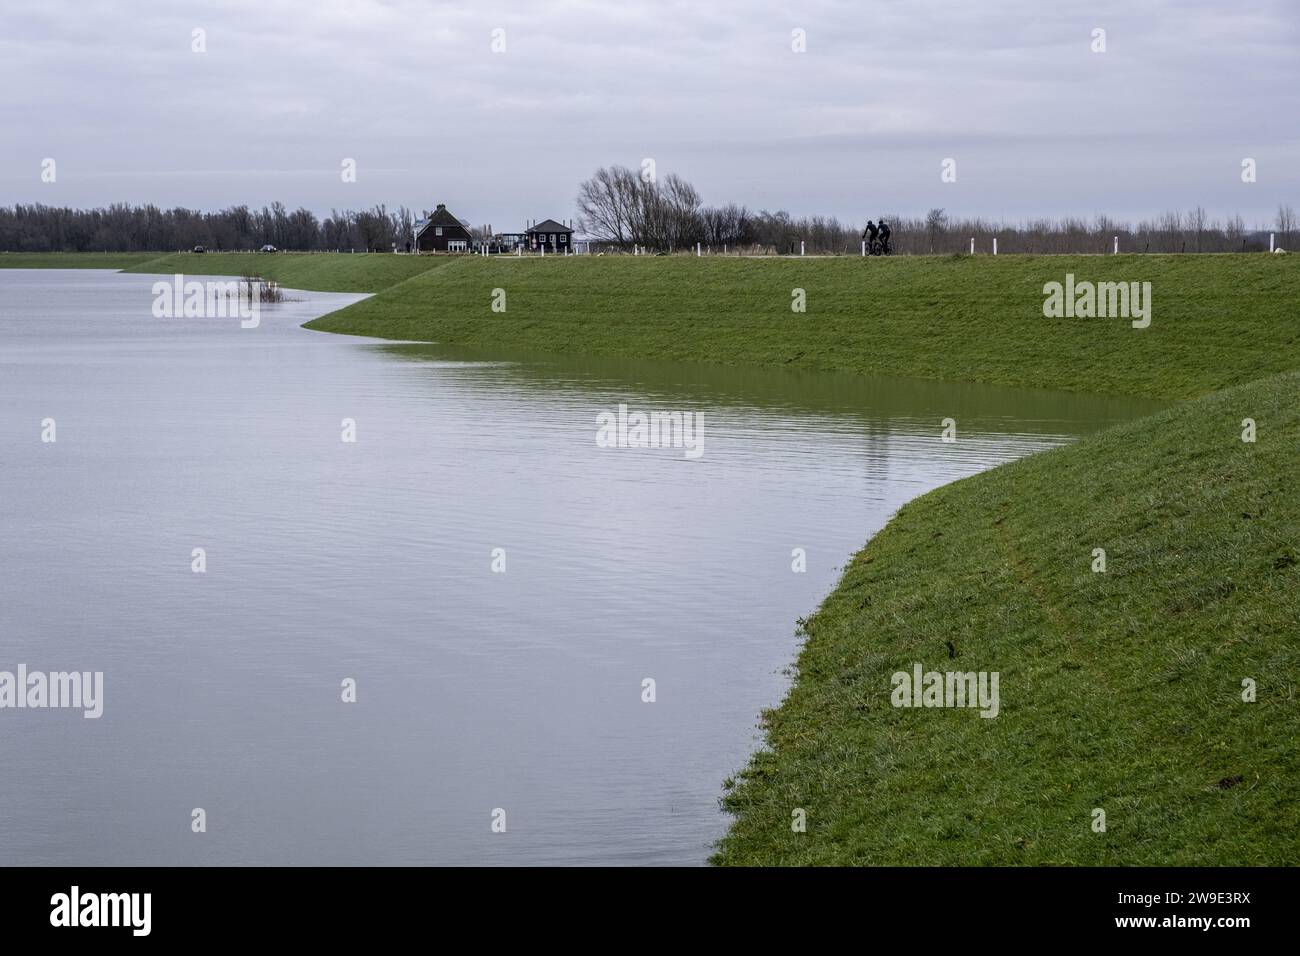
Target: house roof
{"type": "Point", "coordinates": [549, 225]}
{"type": "Point", "coordinates": [440, 217]}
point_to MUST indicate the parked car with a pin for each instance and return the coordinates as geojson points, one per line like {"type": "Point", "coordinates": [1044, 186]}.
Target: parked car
{"type": "Point", "coordinates": [199, 249]}
{"type": "Point", "coordinates": [268, 248]}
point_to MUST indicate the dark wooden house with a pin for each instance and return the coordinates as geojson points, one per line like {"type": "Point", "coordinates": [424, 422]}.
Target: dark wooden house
{"type": "Point", "coordinates": [442, 232]}
{"type": "Point", "coordinates": [550, 236]}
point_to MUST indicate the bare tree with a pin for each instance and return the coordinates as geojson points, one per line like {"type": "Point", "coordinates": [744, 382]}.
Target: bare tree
{"type": "Point", "coordinates": [1234, 232]}
{"type": "Point", "coordinates": [1196, 223]}
{"type": "Point", "coordinates": [681, 212]}
{"type": "Point", "coordinates": [1285, 223]}
{"type": "Point", "coordinates": [621, 207]}
{"type": "Point", "coordinates": [935, 220]}
{"type": "Point", "coordinates": [607, 205]}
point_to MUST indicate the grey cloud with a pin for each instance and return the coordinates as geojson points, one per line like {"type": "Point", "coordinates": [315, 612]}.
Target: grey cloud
{"type": "Point", "coordinates": [859, 123]}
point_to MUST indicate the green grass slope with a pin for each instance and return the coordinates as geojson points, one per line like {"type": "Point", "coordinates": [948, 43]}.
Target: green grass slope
{"type": "Point", "coordinates": [1217, 320]}
{"type": "Point", "coordinates": [319, 272]}
{"type": "Point", "coordinates": [1119, 690]}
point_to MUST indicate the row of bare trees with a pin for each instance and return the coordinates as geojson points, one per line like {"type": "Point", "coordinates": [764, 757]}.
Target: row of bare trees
{"type": "Point", "coordinates": [625, 208]}
{"type": "Point", "coordinates": [1193, 231]}
{"type": "Point", "coordinates": [620, 209]}
{"type": "Point", "coordinates": [125, 228]}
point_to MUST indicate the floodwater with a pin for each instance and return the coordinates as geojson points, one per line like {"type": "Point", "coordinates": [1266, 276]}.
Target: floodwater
{"type": "Point", "coordinates": [490, 685]}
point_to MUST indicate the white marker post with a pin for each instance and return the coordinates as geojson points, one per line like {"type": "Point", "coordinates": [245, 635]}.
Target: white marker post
{"type": "Point", "coordinates": [995, 245]}
{"type": "Point", "coordinates": [864, 247]}
{"type": "Point", "coordinates": [697, 250]}
{"type": "Point", "coordinates": [800, 247]}
{"type": "Point", "coordinates": [1117, 245]}
{"type": "Point", "coordinates": [1270, 242]}
{"type": "Point", "coordinates": [972, 245]}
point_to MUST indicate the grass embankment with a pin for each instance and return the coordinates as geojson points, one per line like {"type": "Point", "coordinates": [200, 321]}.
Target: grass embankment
{"type": "Point", "coordinates": [1218, 320]}
{"type": "Point", "coordinates": [1119, 690]}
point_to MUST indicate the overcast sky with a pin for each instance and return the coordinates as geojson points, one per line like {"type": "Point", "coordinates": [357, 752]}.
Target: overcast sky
{"type": "Point", "coordinates": [857, 125]}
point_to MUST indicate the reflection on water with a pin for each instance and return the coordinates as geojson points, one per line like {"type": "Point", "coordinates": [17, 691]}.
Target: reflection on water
{"type": "Point", "coordinates": [373, 560]}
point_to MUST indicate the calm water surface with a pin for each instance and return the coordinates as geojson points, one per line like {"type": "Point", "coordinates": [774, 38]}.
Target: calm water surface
{"type": "Point", "coordinates": [373, 560]}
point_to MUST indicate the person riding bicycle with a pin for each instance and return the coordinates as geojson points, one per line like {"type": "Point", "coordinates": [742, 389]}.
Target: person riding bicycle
{"type": "Point", "coordinates": [869, 233]}
{"type": "Point", "coordinates": [884, 236]}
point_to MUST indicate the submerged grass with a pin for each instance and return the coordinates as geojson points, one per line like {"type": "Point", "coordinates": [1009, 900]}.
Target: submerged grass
{"type": "Point", "coordinates": [320, 272]}
{"type": "Point", "coordinates": [73, 260]}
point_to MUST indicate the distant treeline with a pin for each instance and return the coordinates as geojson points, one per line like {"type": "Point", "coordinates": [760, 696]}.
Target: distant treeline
{"type": "Point", "coordinates": [124, 228]}
{"type": "Point", "coordinates": [620, 210]}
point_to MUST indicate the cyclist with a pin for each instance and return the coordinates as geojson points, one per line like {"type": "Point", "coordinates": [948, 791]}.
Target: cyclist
{"type": "Point", "coordinates": [884, 237]}
{"type": "Point", "coordinates": [869, 234]}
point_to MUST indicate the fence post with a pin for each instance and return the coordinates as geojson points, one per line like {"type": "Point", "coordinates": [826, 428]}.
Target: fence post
{"type": "Point", "coordinates": [697, 250]}
{"type": "Point", "coordinates": [864, 247]}
{"type": "Point", "coordinates": [1117, 245]}
{"type": "Point", "coordinates": [995, 245]}
{"type": "Point", "coordinates": [800, 247]}
{"type": "Point", "coordinates": [1270, 241]}
{"type": "Point", "coordinates": [972, 245]}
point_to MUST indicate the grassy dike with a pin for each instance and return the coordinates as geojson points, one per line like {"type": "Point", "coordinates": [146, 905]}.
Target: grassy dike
{"type": "Point", "coordinates": [1119, 691]}
{"type": "Point", "coordinates": [1218, 320]}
